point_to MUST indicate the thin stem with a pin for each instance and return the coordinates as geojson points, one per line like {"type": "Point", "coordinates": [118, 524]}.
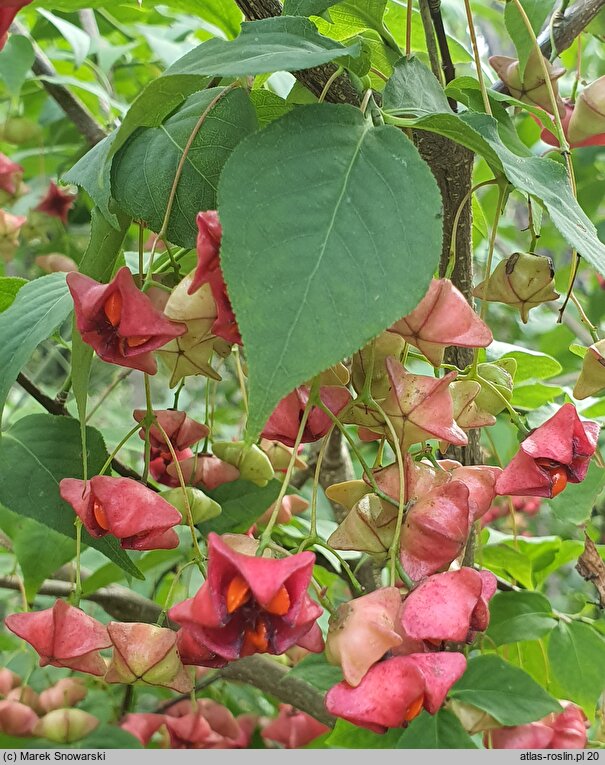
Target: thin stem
{"type": "Point", "coordinates": [408, 28]}
{"type": "Point", "coordinates": [493, 389]}
{"type": "Point", "coordinates": [334, 76]}
{"type": "Point", "coordinates": [492, 241]}
{"type": "Point", "coordinates": [451, 263]}
{"type": "Point", "coordinates": [241, 378]}
{"type": "Point", "coordinates": [126, 438]}
{"type": "Point", "coordinates": [78, 590]}
{"type": "Point", "coordinates": [148, 422]}
{"type": "Point", "coordinates": [578, 77]}
{"type": "Point", "coordinates": [109, 390]}
{"type": "Point", "coordinates": [348, 570]}
{"type": "Point", "coordinates": [320, 458]}
{"type": "Point", "coordinates": [141, 275]}
{"type": "Point", "coordinates": [594, 332]}
{"type": "Point", "coordinates": [177, 176]}
{"type": "Point", "coordinates": [394, 548]}
{"type": "Point", "coordinates": [171, 589]}
{"type": "Point", "coordinates": [476, 56]}
{"type": "Point", "coordinates": [177, 466]}
{"type": "Point", "coordinates": [265, 538]}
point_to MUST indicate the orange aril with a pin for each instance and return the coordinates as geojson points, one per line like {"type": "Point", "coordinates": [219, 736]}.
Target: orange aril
{"type": "Point", "coordinates": [557, 473]}
{"type": "Point", "coordinates": [256, 640]}
{"type": "Point", "coordinates": [135, 340]}
{"type": "Point", "coordinates": [113, 308]}
{"type": "Point", "coordinates": [99, 514]}
{"type": "Point", "coordinates": [414, 709]}
{"type": "Point", "coordinates": [238, 593]}
{"type": "Point", "coordinates": [279, 603]}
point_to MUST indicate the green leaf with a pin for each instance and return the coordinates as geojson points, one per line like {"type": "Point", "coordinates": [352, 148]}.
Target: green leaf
{"type": "Point", "coordinates": [78, 40]}
{"type": "Point", "coordinates": [143, 171]}
{"type": "Point", "coordinates": [578, 350]}
{"type": "Point", "coordinates": [97, 262]}
{"type": "Point", "coordinates": [534, 395]}
{"type": "Point", "coordinates": [92, 173]}
{"type": "Point", "coordinates": [504, 559]}
{"type": "Point", "coordinates": [543, 178]}
{"type": "Point", "coordinates": [516, 616]}
{"type": "Point", "coordinates": [440, 731]}
{"type": "Point", "coordinates": [413, 90]}
{"type": "Point", "coordinates": [268, 106]}
{"type": "Point", "coordinates": [315, 670]}
{"type": "Point", "coordinates": [39, 308]}
{"type": "Point", "coordinates": [537, 12]}
{"type": "Point", "coordinates": [242, 504]}
{"type": "Point", "coordinates": [110, 573]}
{"type": "Point", "coordinates": [108, 737]}
{"type": "Point", "coordinates": [531, 364]}
{"type": "Point", "coordinates": [9, 286]}
{"type": "Point", "coordinates": [39, 550]}
{"type": "Point", "coordinates": [577, 655]}
{"type": "Point", "coordinates": [345, 735]}
{"type": "Point", "coordinates": [505, 692]}
{"type": "Point", "coordinates": [576, 503]}
{"type": "Point", "coordinates": [16, 59]}
{"type": "Point", "coordinates": [313, 265]}
{"type": "Point", "coordinates": [307, 7]}
{"type": "Point", "coordinates": [154, 104]}
{"type": "Point", "coordinates": [352, 17]}
{"type": "Point", "coordinates": [280, 43]}
{"type": "Point", "coordinates": [35, 454]}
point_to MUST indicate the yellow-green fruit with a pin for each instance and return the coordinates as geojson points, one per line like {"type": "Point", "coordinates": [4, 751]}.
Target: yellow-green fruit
{"type": "Point", "coordinates": [592, 376]}
{"type": "Point", "coordinates": [252, 463]}
{"type": "Point", "coordinates": [64, 726]}
{"type": "Point", "coordinates": [500, 374]}
{"type": "Point", "coordinates": [202, 508]}
{"type": "Point", "coordinates": [19, 130]}
{"type": "Point", "coordinates": [386, 344]}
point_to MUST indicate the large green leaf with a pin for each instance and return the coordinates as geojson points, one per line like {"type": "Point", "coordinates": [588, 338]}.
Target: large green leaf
{"type": "Point", "coordinates": [505, 692]}
{"type": "Point", "coordinates": [307, 7]}
{"type": "Point", "coordinates": [440, 731]}
{"type": "Point", "coordinates": [35, 454]}
{"type": "Point", "coordinates": [576, 503]}
{"type": "Point", "coordinates": [144, 169]}
{"type": "Point", "coordinates": [16, 59]}
{"type": "Point", "coordinates": [332, 231]}
{"type": "Point", "coordinates": [537, 12]}
{"type": "Point", "coordinates": [154, 104]}
{"type": "Point", "coordinates": [39, 308]}
{"type": "Point", "coordinates": [577, 656]}
{"type": "Point", "coordinates": [92, 173]}
{"type": "Point", "coordinates": [286, 43]}
{"type": "Point", "coordinates": [345, 735]}
{"type": "Point", "coordinates": [546, 179]}
{"type": "Point", "coordinates": [39, 550]}
{"type": "Point", "coordinates": [516, 616]}
{"type": "Point", "coordinates": [531, 364]}
{"type": "Point", "coordinates": [242, 503]}
{"type": "Point", "coordinates": [352, 17]}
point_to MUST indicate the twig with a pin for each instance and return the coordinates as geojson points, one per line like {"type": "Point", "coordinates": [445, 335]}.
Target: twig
{"type": "Point", "coordinates": [55, 407]}
{"type": "Point", "coordinates": [71, 105]}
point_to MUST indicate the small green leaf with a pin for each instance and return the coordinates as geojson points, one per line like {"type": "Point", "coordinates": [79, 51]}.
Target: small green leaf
{"type": "Point", "coordinates": [307, 7]}
{"type": "Point", "coordinates": [505, 692]}
{"type": "Point", "coordinates": [516, 616]}
{"type": "Point", "coordinates": [313, 267]}
{"type": "Point", "coordinates": [36, 453]}
{"type": "Point", "coordinates": [531, 364]}
{"type": "Point", "coordinates": [78, 40]}
{"type": "Point", "coordinates": [9, 286]}
{"type": "Point", "coordinates": [577, 502]}
{"type": "Point", "coordinates": [315, 670]}
{"type": "Point", "coordinates": [578, 350]}
{"type": "Point", "coordinates": [534, 394]}
{"type": "Point", "coordinates": [413, 90]}
{"type": "Point", "coordinates": [242, 504]}
{"type": "Point", "coordinates": [504, 559]}
{"type": "Point", "coordinates": [144, 169]}
{"type": "Point", "coordinates": [16, 59]}
{"type": "Point", "coordinates": [92, 173]}
{"type": "Point", "coordinates": [439, 731]}
{"type": "Point", "coordinates": [577, 655]}
{"type": "Point", "coordinates": [268, 106]}
{"type": "Point", "coordinates": [537, 12]}
{"type": "Point", "coordinates": [280, 43]}
{"type": "Point", "coordinates": [39, 308]}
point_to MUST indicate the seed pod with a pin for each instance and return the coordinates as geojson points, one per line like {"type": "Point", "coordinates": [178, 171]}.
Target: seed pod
{"type": "Point", "coordinates": [252, 463]}
{"type": "Point", "coordinates": [592, 376]}
{"type": "Point", "coordinates": [386, 344]}
{"type": "Point", "coordinates": [500, 374]}
{"type": "Point", "coordinates": [588, 116]}
{"type": "Point", "coordinates": [369, 527]}
{"type": "Point", "coordinates": [524, 280]}
{"type": "Point", "coordinates": [202, 507]}
{"type": "Point", "coordinates": [64, 726]}
{"type": "Point", "coordinates": [531, 88]}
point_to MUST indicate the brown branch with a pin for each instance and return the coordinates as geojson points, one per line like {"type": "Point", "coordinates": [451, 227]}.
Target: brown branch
{"type": "Point", "coordinates": [263, 673]}
{"type": "Point", "coordinates": [565, 30]}
{"type": "Point", "coordinates": [341, 90]}
{"type": "Point", "coordinates": [71, 105]}
{"type": "Point", "coordinates": [55, 407]}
